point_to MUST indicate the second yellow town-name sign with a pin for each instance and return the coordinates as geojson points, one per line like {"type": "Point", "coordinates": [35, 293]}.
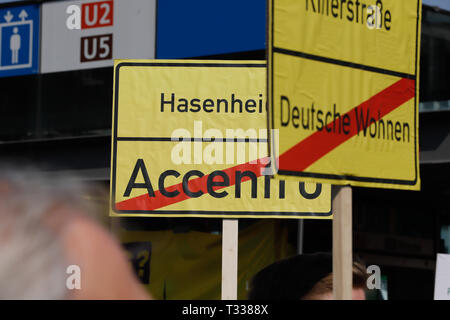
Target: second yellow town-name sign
{"type": "Point", "coordinates": [343, 91]}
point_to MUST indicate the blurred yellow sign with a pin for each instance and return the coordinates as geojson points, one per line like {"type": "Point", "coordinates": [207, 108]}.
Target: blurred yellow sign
{"type": "Point", "coordinates": [187, 266]}
{"type": "Point", "coordinates": [343, 91]}
{"type": "Point", "coordinates": [190, 140]}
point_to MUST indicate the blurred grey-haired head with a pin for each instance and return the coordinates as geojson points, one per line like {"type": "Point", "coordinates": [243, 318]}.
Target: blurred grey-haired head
{"type": "Point", "coordinates": [32, 216]}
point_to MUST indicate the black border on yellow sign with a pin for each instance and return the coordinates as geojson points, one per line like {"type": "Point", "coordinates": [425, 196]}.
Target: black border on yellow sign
{"type": "Point", "coordinates": [184, 213]}
{"type": "Point", "coordinates": [349, 65]}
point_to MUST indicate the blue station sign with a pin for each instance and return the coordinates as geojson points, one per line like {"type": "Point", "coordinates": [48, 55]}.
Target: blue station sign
{"type": "Point", "coordinates": [19, 40]}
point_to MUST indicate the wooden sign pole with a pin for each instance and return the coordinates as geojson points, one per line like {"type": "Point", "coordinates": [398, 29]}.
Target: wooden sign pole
{"type": "Point", "coordinates": [342, 244]}
{"type": "Point", "coordinates": [230, 234]}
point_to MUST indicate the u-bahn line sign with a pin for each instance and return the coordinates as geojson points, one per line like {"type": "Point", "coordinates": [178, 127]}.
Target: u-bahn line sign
{"type": "Point", "coordinates": [343, 91]}
{"type": "Point", "coordinates": [190, 140]}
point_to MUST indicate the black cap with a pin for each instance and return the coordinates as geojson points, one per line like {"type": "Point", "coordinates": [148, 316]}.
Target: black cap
{"type": "Point", "coordinates": [291, 278]}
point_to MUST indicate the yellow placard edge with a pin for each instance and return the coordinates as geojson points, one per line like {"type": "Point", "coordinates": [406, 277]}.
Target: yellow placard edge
{"type": "Point", "coordinates": [112, 214]}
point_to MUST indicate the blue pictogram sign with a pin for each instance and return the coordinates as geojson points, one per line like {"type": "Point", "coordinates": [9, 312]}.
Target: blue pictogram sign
{"type": "Point", "coordinates": [19, 40]}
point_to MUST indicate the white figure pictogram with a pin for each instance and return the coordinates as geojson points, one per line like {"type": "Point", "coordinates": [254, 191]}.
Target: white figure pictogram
{"type": "Point", "coordinates": [14, 45]}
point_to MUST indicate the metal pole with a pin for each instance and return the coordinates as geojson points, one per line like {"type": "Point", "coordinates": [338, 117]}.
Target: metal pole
{"type": "Point", "coordinates": [300, 237]}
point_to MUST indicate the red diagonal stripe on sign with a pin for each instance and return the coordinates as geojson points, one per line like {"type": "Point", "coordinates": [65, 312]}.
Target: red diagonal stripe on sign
{"type": "Point", "coordinates": [314, 147]}
{"type": "Point", "coordinates": [297, 158]}
{"type": "Point", "coordinates": [144, 202]}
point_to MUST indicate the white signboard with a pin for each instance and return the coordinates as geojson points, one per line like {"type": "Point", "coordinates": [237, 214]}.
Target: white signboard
{"type": "Point", "coordinates": [92, 33]}
{"type": "Point", "coordinates": [442, 279]}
